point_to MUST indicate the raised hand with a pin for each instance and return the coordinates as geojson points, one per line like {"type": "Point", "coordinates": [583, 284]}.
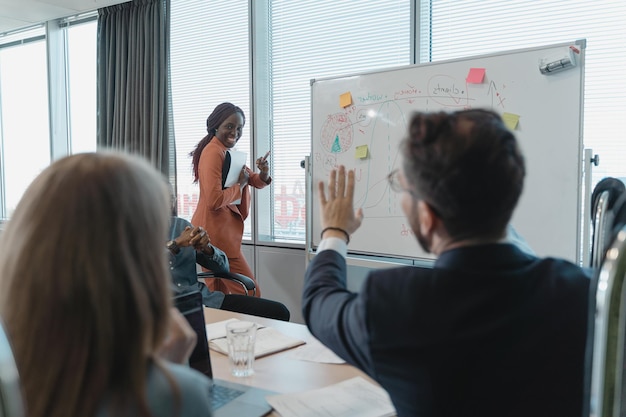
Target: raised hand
{"type": "Point", "coordinates": [338, 208]}
{"type": "Point", "coordinates": [264, 166]}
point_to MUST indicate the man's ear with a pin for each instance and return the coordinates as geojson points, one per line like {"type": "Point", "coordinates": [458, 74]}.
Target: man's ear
{"type": "Point", "coordinates": [428, 220]}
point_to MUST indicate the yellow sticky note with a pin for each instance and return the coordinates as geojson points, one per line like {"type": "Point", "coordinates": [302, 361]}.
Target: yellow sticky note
{"type": "Point", "coordinates": [345, 99]}
{"type": "Point", "coordinates": [361, 152]}
{"type": "Point", "coordinates": [510, 120]}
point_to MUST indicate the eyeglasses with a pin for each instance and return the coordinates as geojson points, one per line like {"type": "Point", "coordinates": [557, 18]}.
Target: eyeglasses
{"type": "Point", "coordinates": [395, 184]}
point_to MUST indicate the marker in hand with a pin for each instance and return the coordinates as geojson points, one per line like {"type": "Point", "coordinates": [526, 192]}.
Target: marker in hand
{"type": "Point", "coordinates": [264, 166]}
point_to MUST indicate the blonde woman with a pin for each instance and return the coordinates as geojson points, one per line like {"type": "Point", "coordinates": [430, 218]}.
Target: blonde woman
{"type": "Point", "coordinates": [87, 311]}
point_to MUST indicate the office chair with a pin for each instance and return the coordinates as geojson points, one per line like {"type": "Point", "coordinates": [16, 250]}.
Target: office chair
{"type": "Point", "coordinates": [11, 404]}
{"type": "Point", "coordinates": [253, 305]}
{"type": "Point", "coordinates": [246, 282]}
{"type": "Point", "coordinates": [605, 379]}
{"type": "Point", "coordinates": [603, 199]}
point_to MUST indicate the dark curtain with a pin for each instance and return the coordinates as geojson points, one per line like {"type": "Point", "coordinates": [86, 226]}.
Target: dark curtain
{"type": "Point", "coordinates": [133, 82]}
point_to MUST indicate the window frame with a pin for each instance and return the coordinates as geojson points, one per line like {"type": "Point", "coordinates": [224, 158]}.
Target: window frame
{"type": "Point", "coordinates": [260, 105]}
{"type": "Point", "coordinates": [263, 139]}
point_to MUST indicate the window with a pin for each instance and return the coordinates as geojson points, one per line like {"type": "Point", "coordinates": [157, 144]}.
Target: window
{"type": "Point", "coordinates": [293, 42]}
{"type": "Point", "coordinates": [26, 119]}
{"type": "Point", "coordinates": [478, 27]}
{"type": "Point", "coordinates": [81, 67]}
{"type": "Point", "coordinates": [311, 40]}
{"type": "Point", "coordinates": [209, 65]}
{"type": "Point", "coordinates": [24, 110]}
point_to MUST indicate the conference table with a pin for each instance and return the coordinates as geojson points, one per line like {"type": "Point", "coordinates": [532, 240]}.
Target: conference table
{"type": "Point", "coordinates": [279, 371]}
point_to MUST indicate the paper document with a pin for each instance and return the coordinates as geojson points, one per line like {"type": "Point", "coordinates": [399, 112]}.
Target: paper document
{"type": "Point", "coordinates": [354, 397]}
{"type": "Point", "coordinates": [315, 351]}
{"type": "Point", "coordinates": [217, 329]}
{"type": "Point", "coordinates": [237, 162]}
{"type": "Point", "coordinates": [268, 341]}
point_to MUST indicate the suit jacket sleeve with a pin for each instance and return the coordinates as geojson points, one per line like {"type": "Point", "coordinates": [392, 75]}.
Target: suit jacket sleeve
{"type": "Point", "coordinates": [334, 315]}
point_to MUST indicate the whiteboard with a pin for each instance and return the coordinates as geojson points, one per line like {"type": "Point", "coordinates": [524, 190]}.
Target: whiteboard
{"type": "Point", "coordinates": [549, 131]}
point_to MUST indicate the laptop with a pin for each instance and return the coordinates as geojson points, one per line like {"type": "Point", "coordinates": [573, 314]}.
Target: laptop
{"type": "Point", "coordinates": [227, 398]}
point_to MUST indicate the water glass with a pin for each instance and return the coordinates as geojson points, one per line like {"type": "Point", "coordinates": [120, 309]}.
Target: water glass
{"type": "Point", "coordinates": [241, 336]}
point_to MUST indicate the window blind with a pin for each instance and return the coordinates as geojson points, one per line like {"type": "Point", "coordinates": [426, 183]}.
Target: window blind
{"type": "Point", "coordinates": [485, 26]}
{"type": "Point", "coordinates": [209, 64]}
{"type": "Point", "coordinates": [318, 39]}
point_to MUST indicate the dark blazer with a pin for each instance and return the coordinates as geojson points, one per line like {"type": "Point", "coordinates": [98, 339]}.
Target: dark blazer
{"type": "Point", "coordinates": [489, 331]}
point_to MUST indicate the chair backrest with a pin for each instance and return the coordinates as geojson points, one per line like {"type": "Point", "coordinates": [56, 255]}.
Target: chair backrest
{"type": "Point", "coordinates": [247, 284]}
{"type": "Point", "coordinates": [607, 374]}
{"type": "Point", "coordinates": [603, 200]}
{"type": "Point", "coordinates": [11, 404]}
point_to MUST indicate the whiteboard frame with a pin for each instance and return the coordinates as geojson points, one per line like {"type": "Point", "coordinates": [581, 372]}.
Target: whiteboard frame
{"type": "Point", "coordinates": [584, 165]}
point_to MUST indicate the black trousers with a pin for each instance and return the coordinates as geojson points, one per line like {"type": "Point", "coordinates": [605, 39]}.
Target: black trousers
{"type": "Point", "coordinates": [255, 306]}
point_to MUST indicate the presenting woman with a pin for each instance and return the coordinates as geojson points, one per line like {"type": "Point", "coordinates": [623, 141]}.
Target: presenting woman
{"type": "Point", "coordinates": [222, 211]}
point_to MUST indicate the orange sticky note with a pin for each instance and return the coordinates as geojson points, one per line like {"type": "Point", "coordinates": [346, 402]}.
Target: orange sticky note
{"type": "Point", "coordinates": [361, 152]}
{"type": "Point", "coordinates": [475, 76]}
{"type": "Point", "coordinates": [510, 120]}
{"type": "Point", "coordinates": [345, 99]}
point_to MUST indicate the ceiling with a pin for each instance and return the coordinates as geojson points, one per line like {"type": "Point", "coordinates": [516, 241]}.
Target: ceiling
{"type": "Point", "coordinates": [16, 14]}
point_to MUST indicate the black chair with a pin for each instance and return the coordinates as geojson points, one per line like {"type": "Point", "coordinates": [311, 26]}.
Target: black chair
{"type": "Point", "coordinates": [246, 283]}
{"type": "Point", "coordinates": [11, 404]}
{"type": "Point", "coordinates": [604, 197]}
{"type": "Point", "coordinates": [605, 380]}
{"type": "Point", "coordinates": [248, 303]}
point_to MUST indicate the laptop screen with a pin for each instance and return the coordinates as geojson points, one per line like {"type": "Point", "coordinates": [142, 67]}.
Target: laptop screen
{"type": "Point", "coordinates": [190, 305]}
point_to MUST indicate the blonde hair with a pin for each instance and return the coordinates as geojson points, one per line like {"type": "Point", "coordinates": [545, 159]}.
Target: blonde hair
{"type": "Point", "coordinates": [84, 285]}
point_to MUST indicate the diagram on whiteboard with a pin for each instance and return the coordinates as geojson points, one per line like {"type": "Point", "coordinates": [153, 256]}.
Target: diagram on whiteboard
{"type": "Point", "coordinates": [359, 121]}
{"type": "Point", "coordinates": [377, 122]}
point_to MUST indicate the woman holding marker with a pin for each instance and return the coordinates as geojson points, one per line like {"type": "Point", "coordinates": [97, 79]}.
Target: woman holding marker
{"type": "Point", "coordinates": [222, 210]}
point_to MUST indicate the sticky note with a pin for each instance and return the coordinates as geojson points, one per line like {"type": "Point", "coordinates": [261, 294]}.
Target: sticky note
{"type": "Point", "coordinates": [345, 99]}
{"type": "Point", "coordinates": [510, 120]}
{"type": "Point", "coordinates": [361, 152]}
{"type": "Point", "coordinates": [475, 75]}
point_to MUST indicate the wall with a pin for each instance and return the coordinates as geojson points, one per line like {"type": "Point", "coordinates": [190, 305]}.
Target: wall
{"type": "Point", "coordinates": [280, 272]}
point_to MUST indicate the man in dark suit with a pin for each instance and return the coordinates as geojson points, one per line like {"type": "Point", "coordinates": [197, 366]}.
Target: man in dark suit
{"type": "Point", "coordinates": [489, 330]}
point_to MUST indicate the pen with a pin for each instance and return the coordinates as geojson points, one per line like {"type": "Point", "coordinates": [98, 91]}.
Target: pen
{"type": "Point", "coordinates": [265, 157]}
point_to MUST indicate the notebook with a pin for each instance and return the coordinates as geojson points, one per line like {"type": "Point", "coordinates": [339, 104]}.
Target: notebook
{"type": "Point", "coordinates": [268, 340]}
{"type": "Point", "coordinates": [228, 399]}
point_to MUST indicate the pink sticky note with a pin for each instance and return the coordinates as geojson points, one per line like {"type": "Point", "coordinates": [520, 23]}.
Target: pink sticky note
{"type": "Point", "coordinates": [475, 75]}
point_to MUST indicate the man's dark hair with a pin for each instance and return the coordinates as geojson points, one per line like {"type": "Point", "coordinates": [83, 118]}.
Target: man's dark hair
{"type": "Point", "coordinates": [467, 167]}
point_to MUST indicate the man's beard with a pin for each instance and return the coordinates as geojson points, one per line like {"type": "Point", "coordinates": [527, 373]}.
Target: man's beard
{"type": "Point", "coordinates": [415, 225]}
{"type": "Point", "coordinates": [424, 243]}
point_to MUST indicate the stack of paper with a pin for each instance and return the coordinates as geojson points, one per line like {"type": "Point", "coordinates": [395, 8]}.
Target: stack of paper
{"type": "Point", "coordinates": [315, 351]}
{"type": "Point", "coordinates": [218, 329]}
{"type": "Point", "coordinates": [268, 340]}
{"type": "Point", "coordinates": [354, 397]}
